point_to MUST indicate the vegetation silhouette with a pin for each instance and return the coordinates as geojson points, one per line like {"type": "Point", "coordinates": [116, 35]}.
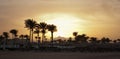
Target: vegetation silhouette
{"type": "Point", "coordinates": [14, 33]}
{"type": "Point", "coordinates": [5, 38]}
{"type": "Point", "coordinates": [37, 31]}
{"type": "Point", "coordinates": [43, 27]}
{"type": "Point", "coordinates": [30, 24]}
{"type": "Point", "coordinates": [79, 42]}
{"type": "Point", "coordinates": [94, 40]}
{"type": "Point", "coordinates": [52, 28]}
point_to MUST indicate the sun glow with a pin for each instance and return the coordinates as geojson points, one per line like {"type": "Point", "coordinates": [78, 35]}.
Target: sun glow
{"type": "Point", "coordinates": [66, 24]}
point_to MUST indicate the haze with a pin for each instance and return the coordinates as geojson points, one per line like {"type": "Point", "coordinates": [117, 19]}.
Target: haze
{"type": "Point", "coordinates": [101, 17]}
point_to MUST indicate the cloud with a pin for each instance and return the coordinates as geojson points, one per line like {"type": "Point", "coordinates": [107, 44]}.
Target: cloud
{"type": "Point", "coordinates": [97, 11]}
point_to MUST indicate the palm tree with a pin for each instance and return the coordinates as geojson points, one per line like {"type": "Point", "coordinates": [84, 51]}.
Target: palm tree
{"type": "Point", "coordinates": [30, 24]}
{"type": "Point", "coordinates": [21, 36]}
{"type": "Point", "coordinates": [105, 40]}
{"type": "Point", "coordinates": [5, 35]}
{"type": "Point", "coordinates": [37, 31]}
{"type": "Point", "coordinates": [14, 33]}
{"type": "Point", "coordinates": [81, 38]}
{"type": "Point", "coordinates": [77, 38]}
{"type": "Point", "coordinates": [43, 27]}
{"type": "Point", "coordinates": [75, 34]}
{"type": "Point", "coordinates": [69, 40]}
{"type": "Point", "coordinates": [52, 28]}
{"type": "Point", "coordinates": [1, 39]}
{"type": "Point", "coordinates": [93, 40]}
{"type": "Point", "coordinates": [26, 37]}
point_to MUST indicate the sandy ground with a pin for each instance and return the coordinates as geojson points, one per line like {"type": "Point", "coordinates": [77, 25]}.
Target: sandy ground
{"type": "Point", "coordinates": [57, 55]}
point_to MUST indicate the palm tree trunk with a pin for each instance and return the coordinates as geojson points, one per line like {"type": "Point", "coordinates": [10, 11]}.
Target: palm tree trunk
{"type": "Point", "coordinates": [32, 35]}
{"type": "Point", "coordinates": [4, 45]}
{"type": "Point", "coordinates": [42, 37]}
{"type": "Point", "coordinates": [52, 36]}
{"type": "Point", "coordinates": [38, 35]}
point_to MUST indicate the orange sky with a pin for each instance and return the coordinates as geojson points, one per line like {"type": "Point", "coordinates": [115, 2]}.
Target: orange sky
{"type": "Point", "coordinates": [101, 17]}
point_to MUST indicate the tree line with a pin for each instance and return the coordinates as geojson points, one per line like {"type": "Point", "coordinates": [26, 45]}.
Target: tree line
{"type": "Point", "coordinates": [79, 42]}
{"type": "Point", "coordinates": [38, 28]}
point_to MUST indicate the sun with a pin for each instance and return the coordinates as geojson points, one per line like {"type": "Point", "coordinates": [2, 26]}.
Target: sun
{"type": "Point", "coordinates": [66, 24]}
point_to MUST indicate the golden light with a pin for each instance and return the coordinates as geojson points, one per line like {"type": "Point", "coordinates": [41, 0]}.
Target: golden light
{"type": "Point", "coordinates": [66, 24]}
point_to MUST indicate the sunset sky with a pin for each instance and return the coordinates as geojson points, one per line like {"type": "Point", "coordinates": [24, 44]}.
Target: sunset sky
{"type": "Point", "coordinates": [97, 18]}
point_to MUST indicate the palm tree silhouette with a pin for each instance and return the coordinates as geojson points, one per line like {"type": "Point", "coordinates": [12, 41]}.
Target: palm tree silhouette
{"type": "Point", "coordinates": [21, 36]}
{"type": "Point", "coordinates": [1, 39]}
{"type": "Point", "coordinates": [43, 27]}
{"type": "Point", "coordinates": [78, 38]}
{"type": "Point", "coordinates": [105, 40]}
{"type": "Point", "coordinates": [69, 40]}
{"type": "Point", "coordinates": [75, 34]}
{"type": "Point", "coordinates": [52, 28]}
{"type": "Point", "coordinates": [30, 24]}
{"type": "Point", "coordinates": [26, 37]}
{"type": "Point", "coordinates": [14, 33]}
{"type": "Point", "coordinates": [93, 40]}
{"type": "Point", "coordinates": [81, 38]}
{"type": "Point", "coordinates": [5, 35]}
{"type": "Point", "coordinates": [37, 30]}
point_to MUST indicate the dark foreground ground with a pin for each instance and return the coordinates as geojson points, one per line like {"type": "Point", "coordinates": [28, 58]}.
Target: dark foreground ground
{"type": "Point", "coordinates": [57, 55]}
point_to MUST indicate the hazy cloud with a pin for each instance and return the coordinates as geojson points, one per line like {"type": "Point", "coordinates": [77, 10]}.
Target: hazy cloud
{"type": "Point", "coordinates": [106, 12]}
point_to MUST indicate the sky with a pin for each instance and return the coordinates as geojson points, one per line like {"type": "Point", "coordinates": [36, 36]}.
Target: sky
{"type": "Point", "coordinates": [97, 18]}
